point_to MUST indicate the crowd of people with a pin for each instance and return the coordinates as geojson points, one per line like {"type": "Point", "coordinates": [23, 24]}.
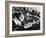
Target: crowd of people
{"type": "Point", "coordinates": [25, 19]}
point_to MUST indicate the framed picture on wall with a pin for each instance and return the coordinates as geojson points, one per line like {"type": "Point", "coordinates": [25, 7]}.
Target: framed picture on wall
{"type": "Point", "coordinates": [24, 18]}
